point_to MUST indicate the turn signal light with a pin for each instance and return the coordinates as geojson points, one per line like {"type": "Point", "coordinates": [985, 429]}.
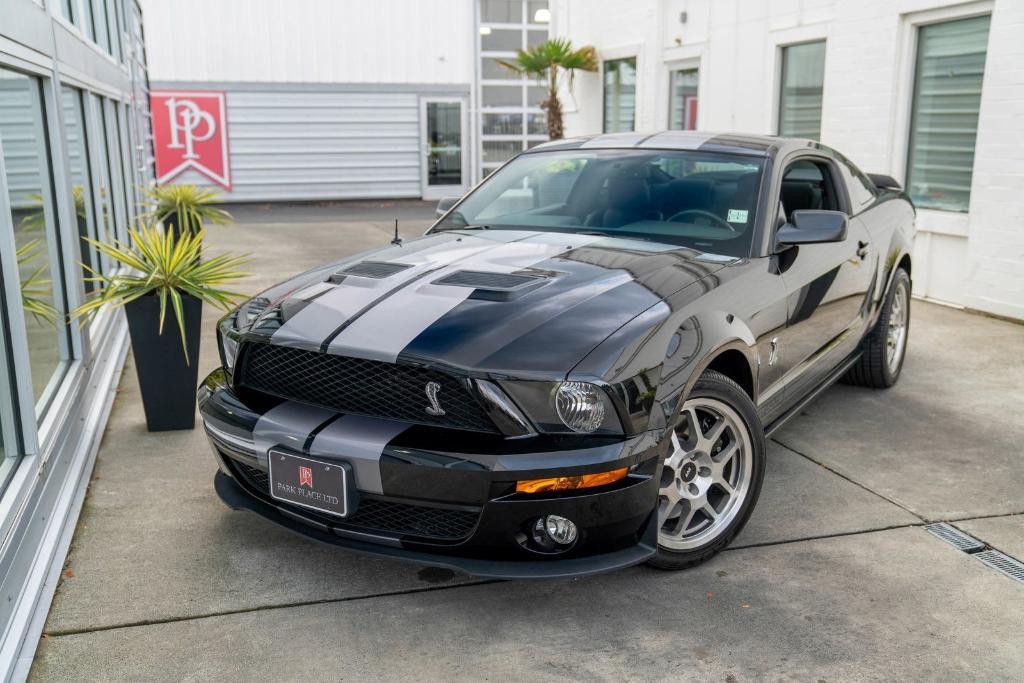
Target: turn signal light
{"type": "Point", "coordinates": [584, 481]}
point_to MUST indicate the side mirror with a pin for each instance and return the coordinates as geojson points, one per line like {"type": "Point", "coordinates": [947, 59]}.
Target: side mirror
{"type": "Point", "coordinates": [445, 205]}
{"type": "Point", "coordinates": [813, 227]}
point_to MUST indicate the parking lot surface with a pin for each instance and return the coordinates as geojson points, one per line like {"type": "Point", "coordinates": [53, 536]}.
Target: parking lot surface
{"type": "Point", "coordinates": [835, 577]}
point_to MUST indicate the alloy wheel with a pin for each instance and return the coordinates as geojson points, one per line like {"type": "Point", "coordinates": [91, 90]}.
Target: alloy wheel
{"type": "Point", "coordinates": [706, 476]}
{"type": "Point", "coordinates": [896, 337]}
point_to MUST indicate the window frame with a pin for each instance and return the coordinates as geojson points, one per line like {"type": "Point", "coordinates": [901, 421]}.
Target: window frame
{"type": "Point", "coordinates": [945, 222]}
{"type": "Point", "coordinates": [780, 82]}
{"type": "Point", "coordinates": [679, 68]}
{"type": "Point", "coordinates": [604, 91]}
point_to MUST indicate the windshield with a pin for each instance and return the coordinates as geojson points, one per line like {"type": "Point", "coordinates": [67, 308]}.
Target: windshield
{"type": "Point", "coordinates": [694, 199]}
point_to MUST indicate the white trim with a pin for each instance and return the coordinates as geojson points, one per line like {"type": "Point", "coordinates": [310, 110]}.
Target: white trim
{"type": "Point", "coordinates": [663, 99]}
{"type": "Point", "coordinates": [427, 190]}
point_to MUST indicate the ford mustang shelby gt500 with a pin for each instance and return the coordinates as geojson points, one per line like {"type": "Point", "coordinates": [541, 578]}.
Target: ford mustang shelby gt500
{"type": "Point", "coordinates": [575, 368]}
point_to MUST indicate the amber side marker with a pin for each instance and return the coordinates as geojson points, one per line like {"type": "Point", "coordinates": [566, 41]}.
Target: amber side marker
{"type": "Point", "coordinates": [584, 481]}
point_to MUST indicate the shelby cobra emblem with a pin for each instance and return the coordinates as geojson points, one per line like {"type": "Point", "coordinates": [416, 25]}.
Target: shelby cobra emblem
{"type": "Point", "coordinates": [615, 322]}
{"type": "Point", "coordinates": [434, 408]}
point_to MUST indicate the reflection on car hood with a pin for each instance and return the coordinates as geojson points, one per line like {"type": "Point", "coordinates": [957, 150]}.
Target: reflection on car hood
{"type": "Point", "coordinates": [519, 302]}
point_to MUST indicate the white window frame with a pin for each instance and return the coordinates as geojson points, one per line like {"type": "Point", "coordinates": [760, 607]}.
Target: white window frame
{"type": "Point", "coordinates": [777, 41]}
{"type": "Point", "coordinates": [938, 221]}
{"type": "Point", "coordinates": [613, 54]}
{"type": "Point", "coordinates": [664, 102]}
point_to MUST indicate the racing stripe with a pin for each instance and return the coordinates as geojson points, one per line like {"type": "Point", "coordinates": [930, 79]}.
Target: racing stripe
{"type": "Point", "coordinates": [287, 424]}
{"type": "Point", "coordinates": [316, 322]}
{"type": "Point", "coordinates": [360, 441]}
{"type": "Point", "coordinates": [383, 331]}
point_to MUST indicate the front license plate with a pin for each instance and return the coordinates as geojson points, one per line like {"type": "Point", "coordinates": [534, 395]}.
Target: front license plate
{"type": "Point", "coordinates": [313, 484]}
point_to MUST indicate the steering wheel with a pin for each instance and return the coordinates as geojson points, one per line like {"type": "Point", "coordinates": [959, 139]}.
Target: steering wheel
{"type": "Point", "coordinates": [719, 222]}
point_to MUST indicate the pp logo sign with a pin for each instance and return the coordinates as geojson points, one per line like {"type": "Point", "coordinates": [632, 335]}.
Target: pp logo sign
{"type": "Point", "coordinates": [190, 131]}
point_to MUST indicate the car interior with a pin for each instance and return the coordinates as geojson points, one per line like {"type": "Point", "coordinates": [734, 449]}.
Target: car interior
{"type": "Point", "coordinates": [706, 204]}
{"type": "Point", "coordinates": [808, 185]}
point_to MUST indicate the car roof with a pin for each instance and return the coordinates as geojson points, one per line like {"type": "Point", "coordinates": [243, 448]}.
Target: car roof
{"type": "Point", "coordinates": [726, 143]}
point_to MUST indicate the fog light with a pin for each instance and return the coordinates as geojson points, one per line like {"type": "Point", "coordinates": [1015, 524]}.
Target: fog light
{"type": "Point", "coordinates": [560, 530]}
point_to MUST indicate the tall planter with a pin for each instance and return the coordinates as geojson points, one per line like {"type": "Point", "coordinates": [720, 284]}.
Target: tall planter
{"type": "Point", "coordinates": [172, 223]}
{"type": "Point", "coordinates": [167, 381]}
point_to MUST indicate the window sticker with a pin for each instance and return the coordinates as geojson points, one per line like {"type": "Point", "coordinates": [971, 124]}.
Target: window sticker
{"type": "Point", "coordinates": [737, 216]}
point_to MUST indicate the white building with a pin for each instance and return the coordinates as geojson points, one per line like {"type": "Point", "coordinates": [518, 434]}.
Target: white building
{"type": "Point", "coordinates": [927, 91]}
{"type": "Point", "coordinates": [395, 98]}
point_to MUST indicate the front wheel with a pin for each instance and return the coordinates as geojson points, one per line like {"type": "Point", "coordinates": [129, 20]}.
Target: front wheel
{"type": "Point", "coordinates": [712, 475]}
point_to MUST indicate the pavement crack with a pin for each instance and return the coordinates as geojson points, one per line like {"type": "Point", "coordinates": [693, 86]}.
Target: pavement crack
{"type": "Point", "coordinates": [261, 608]}
{"type": "Point", "coordinates": [854, 482]}
{"type": "Point", "coordinates": [838, 534]}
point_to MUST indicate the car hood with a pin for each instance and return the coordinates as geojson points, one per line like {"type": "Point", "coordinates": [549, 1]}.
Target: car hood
{"type": "Point", "coordinates": [520, 303]}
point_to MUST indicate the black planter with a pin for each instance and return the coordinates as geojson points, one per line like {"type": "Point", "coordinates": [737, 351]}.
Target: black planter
{"type": "Point", "coordinates": [167, 382]}
{"type": "Point", "coordinates": [172, 224]}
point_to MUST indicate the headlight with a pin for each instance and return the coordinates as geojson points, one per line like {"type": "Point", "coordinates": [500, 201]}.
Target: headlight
{"type": "Point", "coordinates": [565, 407]}
{"type": "Point", "coordinates": [228, 343]}
{"type": "Point", "coordinates": [579, 406]}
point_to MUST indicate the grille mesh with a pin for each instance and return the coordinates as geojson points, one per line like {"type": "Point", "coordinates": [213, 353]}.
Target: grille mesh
{"type": "Point", "coordinates": [375, 269]}
{"type": "Point", "coordinates": [501, 282]}
{"type": "Point", "coordinates": [375, 515]}
{"type": "Point", "coordinates": [1003, 563]}
{"type": "Point", "coordinates": [950, 534]}
{"type": "Point", "coordinates": [361, 387]}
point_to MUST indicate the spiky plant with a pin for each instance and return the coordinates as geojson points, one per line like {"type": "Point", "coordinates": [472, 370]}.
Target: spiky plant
{"type": "Point", "coordinates": [548, 61]}
{"type": "Point", "coordinates": [193, 207]}
{"type": "Point", "coordinates": [36, 292]}
{"type": "Point", "coordinates": [165, 265]}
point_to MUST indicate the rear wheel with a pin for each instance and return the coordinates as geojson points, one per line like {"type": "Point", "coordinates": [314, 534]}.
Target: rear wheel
{"type": "Point", "coordinates": [885, 347]}
{"type": "Point", "coordinates": [712, 475]}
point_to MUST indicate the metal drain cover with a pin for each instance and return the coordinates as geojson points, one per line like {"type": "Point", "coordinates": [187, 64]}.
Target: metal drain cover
{"type": "Point", "coordinates": [956, 538]}
{"type": "Point", "coordinates": [1003, 564]}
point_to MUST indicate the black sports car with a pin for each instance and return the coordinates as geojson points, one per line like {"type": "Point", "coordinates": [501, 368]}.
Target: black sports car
{"type": "Point", "coordinates": [574, 370]}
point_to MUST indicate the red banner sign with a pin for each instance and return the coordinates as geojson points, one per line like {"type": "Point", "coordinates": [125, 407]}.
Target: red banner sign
{"type": "Point", "coordinates": [190, 130]}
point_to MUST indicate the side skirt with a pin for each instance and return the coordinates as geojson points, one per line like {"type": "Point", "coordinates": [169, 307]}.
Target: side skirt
{"type": "Point", "coordinates": [829, 380]}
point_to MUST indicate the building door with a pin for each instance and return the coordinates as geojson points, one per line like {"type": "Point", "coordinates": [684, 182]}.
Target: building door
{"type": "Point", "coordinates": [444, 167]}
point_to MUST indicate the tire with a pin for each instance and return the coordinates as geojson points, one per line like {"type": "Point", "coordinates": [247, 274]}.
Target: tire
{"type": "Point", "coordinates": [698, 469]}
{"type": "Point", "coordinates": [877, 368]}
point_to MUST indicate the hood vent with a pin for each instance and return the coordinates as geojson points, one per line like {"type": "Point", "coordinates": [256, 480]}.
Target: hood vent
{"type": "Point", "coordinates": [377, 270]}
{"type": "Point", "coordinates": [495, 282]}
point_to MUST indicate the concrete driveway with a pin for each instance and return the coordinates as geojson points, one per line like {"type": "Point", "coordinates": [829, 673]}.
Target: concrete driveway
{"type": "Point", "coordinates": [834, 577]}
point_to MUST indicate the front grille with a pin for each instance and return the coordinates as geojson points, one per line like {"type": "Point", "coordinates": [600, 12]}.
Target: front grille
{"type": "Point", "coordinates": [375, 515]}
{"type": "Point", "coordinates": [360, 387]}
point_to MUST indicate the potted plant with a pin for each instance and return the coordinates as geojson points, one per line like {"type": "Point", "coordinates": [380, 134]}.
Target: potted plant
{"type": "Point", "coordinates": [547, 61]}
{"type": "Point", "coordinates": [164, 271]}
{"type": "Point", "coordinates": [184, 208]}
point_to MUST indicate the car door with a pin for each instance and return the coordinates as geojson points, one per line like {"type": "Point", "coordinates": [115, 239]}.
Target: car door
{"type": "Point", "coordinates": [826, 284]}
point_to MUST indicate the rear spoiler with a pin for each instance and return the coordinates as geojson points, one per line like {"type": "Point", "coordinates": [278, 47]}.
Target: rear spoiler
{"type": "Point", "coordinates": [884, 182]}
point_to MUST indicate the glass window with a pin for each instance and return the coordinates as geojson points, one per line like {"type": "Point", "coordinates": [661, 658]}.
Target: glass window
{"type": "Point", "coordinates": [944, 122]}
{"type": "Point", "coordinates": [498, 151]}
{"type": "Point", "coordinates": [444, 133]}
{"type": "Point", "coordinates": [501, 40]}
{"type": "Point", "coordinates": [101, 23]}
{"type": "Point", "coordinates": [537, 12]}
{"type": "Point", "coordinates": [26, 160]}
{"type": "Point", "coordinates": [501, 96]}
{"type": "Point", "coordinates": [803, 77]}
{"type": "Point", "coordinates": [490, 68]}
{"type": "Point", "coordinates": [502, 11]}
{"type": "Point", "coordinates": [502, 124]}
{"type": "Point", "coordinates": [537, 124]}
{"type": "Point", "coordinates": [65, 9]}
{"type": "Point", "coordinates": [81, 181]}
{"type": "Point", "coordinates": [620, 95]}
{"type": "Point", "coordinates": [117, 174]}
{"type": "Point", "coordinates": [704, 201]}
{"type": "Point", "coordinates": [682, 113]}
{"type": "Point", "coordinates": [535, 38]}
{"type": "Point", "coordinates": [99, 161]}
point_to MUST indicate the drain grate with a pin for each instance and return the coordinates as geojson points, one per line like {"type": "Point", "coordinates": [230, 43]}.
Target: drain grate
{"type": "Point", "coordinates": [956, 538]}
{"type": "Point", "coordinates": [1003, 564]}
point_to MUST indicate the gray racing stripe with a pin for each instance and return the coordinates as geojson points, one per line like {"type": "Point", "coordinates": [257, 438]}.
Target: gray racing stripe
{"type": "Point", "coordinates": [382, 332]}
{"type": "Point", "coordinates": [317, 321]}
{"type": "Point", "coordinates": [677, 140]}
{"type": "Point", "coordinates": [287, 424]}
{"type": "Point", "coordinates": [358, 441]}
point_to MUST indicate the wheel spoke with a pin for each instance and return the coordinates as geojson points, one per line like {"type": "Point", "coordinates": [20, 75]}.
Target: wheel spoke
{"type": "Point", "coordinates": [709, 510]}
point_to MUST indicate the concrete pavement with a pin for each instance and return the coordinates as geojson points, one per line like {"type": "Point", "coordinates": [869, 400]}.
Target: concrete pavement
{"type": "Point", "coordinates": [833, 578]}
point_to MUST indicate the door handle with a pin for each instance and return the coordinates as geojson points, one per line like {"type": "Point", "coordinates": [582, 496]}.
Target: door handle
{"type": "Point", "coordinates": [862, 248]}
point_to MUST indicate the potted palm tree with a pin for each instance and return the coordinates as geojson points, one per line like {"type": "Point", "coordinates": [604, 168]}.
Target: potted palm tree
{"type": "Point", "coordinates": [164, 270]}
{"type": "Point", "coordinates": [185, 208]}
{"type": "Point", "coordinates": [548, 61]}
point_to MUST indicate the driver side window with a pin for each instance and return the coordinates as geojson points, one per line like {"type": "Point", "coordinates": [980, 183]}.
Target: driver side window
{"type": "Point", "coordinates": [808, 184]}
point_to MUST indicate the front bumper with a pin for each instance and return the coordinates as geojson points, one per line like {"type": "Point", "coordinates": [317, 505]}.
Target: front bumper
{"type": "Point", "coordinates": [426, 501]}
